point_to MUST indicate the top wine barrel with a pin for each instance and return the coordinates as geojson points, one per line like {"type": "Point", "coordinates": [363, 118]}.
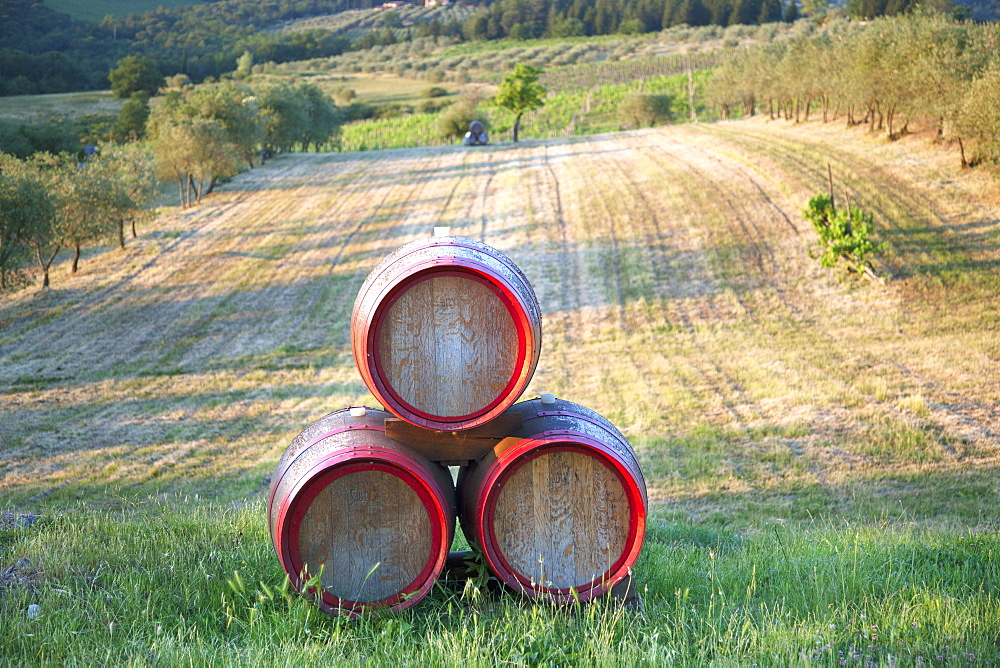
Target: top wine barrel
{"type": "Point", "coordinates": [558, 509]}
{"type": "Point", "coordinates": [446, 333]}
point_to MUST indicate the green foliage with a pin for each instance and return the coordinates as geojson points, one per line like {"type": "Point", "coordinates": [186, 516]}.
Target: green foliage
{"type": "Point", "coordinates": [641, 110]}
{"type": "Point", "coordinates": [343, 95]}
{"type": "Point", "coordinates": [22, 140]}
{"type": "Point", "coordinates": [27, 213]}
{"type": "Point", "coordinates": [924, 67]}
{"type": "Point", "coordinates": [244, 66]}
{"type": "Point", "coordinates": [843, 234]}
{"type": "Point", "coordinates": [434, 91]}
{"type": "Point", "coordinates": [455, 120]}
{"type": "Point", "coordinates": [520, 92]}
{"type": "Point", "coordinates": [135, 74]}
{"type": "Point", "coordinates": [979, 117]}
{"type": "Point", "coordinates": [131, 122]}
{"type": "Point", "coordinates": [403, 132]}
{"type": "Point", "coordinates": [130, 183]}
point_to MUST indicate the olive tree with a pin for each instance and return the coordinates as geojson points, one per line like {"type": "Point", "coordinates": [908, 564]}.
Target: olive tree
{"type": "Point", "coordinates": [27, 213]}
{"type": "Point", "coordinates": [520, 92]}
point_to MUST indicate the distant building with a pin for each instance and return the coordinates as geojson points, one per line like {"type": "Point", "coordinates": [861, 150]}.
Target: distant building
{"type": "Point", "coordinates": [436, 3]}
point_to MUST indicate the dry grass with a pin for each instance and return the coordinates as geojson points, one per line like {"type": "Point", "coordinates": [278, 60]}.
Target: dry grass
{"type": "Point", "coordinates": [679, 297]}
{"type": "Point", "coordinates": [35, 109]}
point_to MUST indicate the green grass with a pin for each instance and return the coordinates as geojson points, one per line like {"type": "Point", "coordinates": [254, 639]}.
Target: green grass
{"type": "Point", "coordinates": [569, 112]}
{"type": "Point", "coordinates": [121, 586]}
{"type": "Point", "coordinates": [87, 10]}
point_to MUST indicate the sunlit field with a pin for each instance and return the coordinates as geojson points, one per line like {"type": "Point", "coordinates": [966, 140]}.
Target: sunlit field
{"type": "Point", "coordinates": [821, 451]}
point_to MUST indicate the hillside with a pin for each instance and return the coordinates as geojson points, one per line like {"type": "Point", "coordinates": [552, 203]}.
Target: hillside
{"type": "Point", "coordinates": [679, 299]}
{"type": "Point", "coordinates": [85, 10]}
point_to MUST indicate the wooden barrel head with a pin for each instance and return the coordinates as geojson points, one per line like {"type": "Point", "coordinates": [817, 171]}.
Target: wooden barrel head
{"type": "Point", "coordinates": [448, 345]}
{"type": "Point", "coordinates": [369, 535]}
{"type": "Point", "coordinates": [562, 518]}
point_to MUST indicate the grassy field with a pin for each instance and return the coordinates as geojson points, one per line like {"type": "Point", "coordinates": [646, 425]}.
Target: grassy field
{"type": "Point", "coordinates": [71, 106]}
{"type": "Point", "coordinates": [822, 454]}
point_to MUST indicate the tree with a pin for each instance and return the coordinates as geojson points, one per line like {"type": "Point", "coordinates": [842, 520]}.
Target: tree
{"type": "Point", "coordinates": [244, 65]}
{"type": "Point", "coordinates": [236, 110]}
{"type": "Point", "coordinates": [694, 13]}
{"type": "Point", "coordinates": [770, 11]}
{"type": "Point", "coordinates": [127, 172]}
{"type": "Point", "coordinates": [135, 74]}
{"type": "Point", "coordinates": [285, 116]}
{"type": "Point", "coordinates": [83, 196]}
{"type": "Point", "coordinates": [324, 117]}
{"type": "Point", "coordinates": [131, 122]}
{"type": "Point", "coordinates": [979, 118]}
{"type": "Point", "coordinates": [815, 7]}
{"type": "Point", "coordinates": [520, 92]}
{"type": "Point", "coordinates": [26, 212]}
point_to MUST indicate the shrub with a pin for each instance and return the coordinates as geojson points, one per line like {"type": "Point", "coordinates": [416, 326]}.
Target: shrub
{"type": "Point", "coordinates": [343, 95]}
{"type": "Point", "coordinates": [434, 91]}
{"type": "Point", "coordinates": [640, 110]}
{"type": "Point", "coordinates": [843, 234]}
{"type": "Point", "coordinates": [393, 110]}
{"type": "Point", "coordinates": [432, 106]}
{"type": "Point", "coordinates": [454, 121]}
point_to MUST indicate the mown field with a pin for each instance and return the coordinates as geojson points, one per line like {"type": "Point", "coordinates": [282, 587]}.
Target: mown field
{"type": "Point", "coordinates": [821, 453]}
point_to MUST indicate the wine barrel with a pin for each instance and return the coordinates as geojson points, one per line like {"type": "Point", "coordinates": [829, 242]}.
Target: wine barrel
{"type": "Point", "coordinates": [559, 508]}
{"type": "Point", "coordinates": [476, 127]}
{"type": "Point", "coordinates": [446, 333]}
{"type": "Point", "coordinates": [483, 138]}
{"type": "Point", "coordinates": [369, 516]}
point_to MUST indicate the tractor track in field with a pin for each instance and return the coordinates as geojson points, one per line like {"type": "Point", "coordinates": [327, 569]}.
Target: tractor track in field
{"type": "Point", "coordinates": [905, 199]}
{"type": "Point", "coordinates": [711, 373]}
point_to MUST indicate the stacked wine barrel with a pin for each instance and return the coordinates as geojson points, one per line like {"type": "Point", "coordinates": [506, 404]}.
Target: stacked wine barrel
{"type": "Point", "coordinates": [477, 135]}
{"type": "Point", "coordinates": [446, 334]}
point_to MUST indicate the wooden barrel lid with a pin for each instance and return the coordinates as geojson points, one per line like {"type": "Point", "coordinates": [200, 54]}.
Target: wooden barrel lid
{"type": "Point", "coordinates": [562, 519]}
{"type": "Point", "coordinates": [448, 345]}
{"type": "Point", "coordinates": [368, 534]}
{"type": "Point", "coordinates": [446, 333]}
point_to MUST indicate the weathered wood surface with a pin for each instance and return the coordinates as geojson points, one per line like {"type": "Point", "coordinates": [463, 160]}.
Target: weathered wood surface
{"type": "Point", "coordinates": [448, 346]}
{"type": "Point", "coordinates": [562, 519]}
{"type": "Point", "coordinates": [344, 505]}
{"type": "Point", "coordinates": [559, 504]}
{"type": "Point", "coordinates": [446, 332]}
{"type": "Point", "coordinates": [369, 533]}
{"type": "Point", "coordinates": [453, 448]}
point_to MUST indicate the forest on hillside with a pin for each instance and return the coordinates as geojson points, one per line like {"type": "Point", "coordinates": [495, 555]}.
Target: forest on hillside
{"type": "Point", "coordinates": [44, 51]}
